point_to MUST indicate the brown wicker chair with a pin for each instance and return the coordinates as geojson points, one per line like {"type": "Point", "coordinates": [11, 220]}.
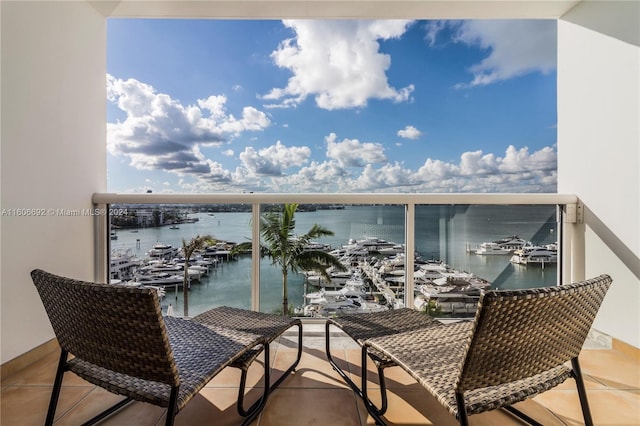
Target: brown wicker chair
{"type": "Point", "coordinates": [361, 327]}
{"type": "Point", "coordinates": [269, 326]}
{"type": "Point", "coordinates": [121, 342]}
{"type": "Point", "coordinates": [519, 345]}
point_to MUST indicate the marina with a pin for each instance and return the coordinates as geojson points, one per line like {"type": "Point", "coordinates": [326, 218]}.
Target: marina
{"type": "Point", "coordinates": [368, 239]}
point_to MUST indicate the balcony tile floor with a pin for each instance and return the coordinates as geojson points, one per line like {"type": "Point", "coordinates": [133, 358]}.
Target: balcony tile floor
{"type": "Point", "coordinates": [315, 395]}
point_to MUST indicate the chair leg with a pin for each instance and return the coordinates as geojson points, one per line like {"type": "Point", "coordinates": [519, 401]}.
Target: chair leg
{"type": "Point", "coordinates": [243, 380]}
{"type": "Point", "coordinates": [371, 409]}
{"type": "Point", "coordinates": [295, 363]}
{"type": "Point", "coordinates": [107, 412]}
{"type": "Point", "coordinates": [258, 406]}
{"type": "Point", "coordinates": [462, 409]}
{"type": "Point", "coordinates": [57, 386]}
{"type": "Point", "coordinates": [383, 390]}
{"type": "Point", "coordinates": [522, 416]}
{"type": "Point", "coordinates": [241, 389]}
{"type": "Point", "coordinates": [172, 410]}
{"type": "Point", "coordinates": [582, 392]}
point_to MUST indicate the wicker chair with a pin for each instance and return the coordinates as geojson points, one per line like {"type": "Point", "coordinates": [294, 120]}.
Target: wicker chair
{"type": "Point", "coordinates": [361, 327]}
{"type": "Point", "coordinates": [121, 342]}
{"type": "Point", "coordinates": [520, 344]}
{"type": "Point", "coordinates": [269, 326]}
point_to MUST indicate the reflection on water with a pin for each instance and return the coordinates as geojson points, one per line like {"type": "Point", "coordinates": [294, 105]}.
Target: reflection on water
{"type": "Point", "coordinates": [442, 232]}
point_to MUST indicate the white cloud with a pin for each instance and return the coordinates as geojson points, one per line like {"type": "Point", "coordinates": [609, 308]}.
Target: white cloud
{"type": "Point", "coordinates": [516, 47]}
{"type": "Point", "coordinates": [386, 177]}
{"type": "Point", "coordinates": [337, 62]}
{"type": "Point", "coordinates": [327, 176]}
{"type": "Point", "coordinates": [516, 171]}
{"type": "Point", "coordinates": [274, 160]}
{"type": "Point", "coordinates": [353, 153]}
{"type": "Point", "coordinates": [409, 132]}
{"type": "Point", "coordinates": [159, 133]}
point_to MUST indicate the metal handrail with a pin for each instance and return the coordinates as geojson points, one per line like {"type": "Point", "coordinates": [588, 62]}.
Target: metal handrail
{"type": "Point", "coordinates": [410, 200]}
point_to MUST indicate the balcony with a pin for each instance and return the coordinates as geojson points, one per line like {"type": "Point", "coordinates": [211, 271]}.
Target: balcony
{"type": "Point", "coordinates": [612, 375]}
{"type": "Point", "coordinates": [315, 394]}
{"type": "Point", "coordinates": [597, 144]}
{"type": "Point", "coordinates": [436, 227]}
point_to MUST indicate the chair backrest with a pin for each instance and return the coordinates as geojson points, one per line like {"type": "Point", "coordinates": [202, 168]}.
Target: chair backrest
{"type": "Point", "coordinates": [521, 333]}
{"type": "Point", "coordinates": [117, 327]}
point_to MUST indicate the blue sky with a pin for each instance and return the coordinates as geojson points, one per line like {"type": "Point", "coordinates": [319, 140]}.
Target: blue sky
{"type": "Point", "coordinates": [331, 106]}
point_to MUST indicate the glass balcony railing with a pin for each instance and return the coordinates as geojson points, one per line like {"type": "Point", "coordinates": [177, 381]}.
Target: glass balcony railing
{"type": "Point", "coordinates": [461, 244]}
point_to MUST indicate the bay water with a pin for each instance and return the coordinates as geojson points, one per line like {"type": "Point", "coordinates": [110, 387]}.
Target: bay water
{"type": "Point", "coordinates": [443, 232]}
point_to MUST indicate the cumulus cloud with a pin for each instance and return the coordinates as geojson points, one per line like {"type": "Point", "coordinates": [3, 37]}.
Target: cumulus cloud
{"type": "Point", "coordinates": [409, 132]}
{"type": "Point", "coordinates": [338, 63]}
{"type": "Point", "coordinates": [353, 153]}
{"type": "Point", "coordinates": [515, 47]}
{"type": "Point", "coordinates": [516, 171]}
{"type": "Point", "coordinates": [160, 133]}
{"type": "Point", "coordinates": [387, 177]}
{"type": "Point", "coordinates": [274, 160]}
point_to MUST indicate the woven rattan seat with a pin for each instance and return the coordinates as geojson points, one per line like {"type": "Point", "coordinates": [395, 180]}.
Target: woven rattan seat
{"type": "Point", "coordinates": [121, 342]}
{"type": "Point", "coordinates": [361, 327]}
{"type": "Point", "coordinates": [520, 344]}
{"type": "Point", "coordinates": [269, 326]}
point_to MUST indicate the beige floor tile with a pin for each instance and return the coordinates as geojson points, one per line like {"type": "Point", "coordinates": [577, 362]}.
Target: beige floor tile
{"type": "Point", "coordinates": [27, 405]}
{"type": "Point", "coordinates": [134, 414]}
{"type": "Point", "coordinates": [214, 406]}
{"type": "Point", "coordinates": [230, 377]}
{"type": "Point", "coordinates": [354, 370]}
{"type": "Point", "coordinates": [290, 407]}
{"type": "Point", "coordinates": [612, 368]}
{"type": "Point", "coordinates": [414, 407]}
{"type": "Point", "coordinates": [282, 361]}
{"type": "Point", "coordinates": [608, 407]}
{"type": "Point", "coordinates": [315, 394]}
{"type": "Point", "coordinates": [312, 371]}
{"type": "Point", "coordinates": [43, 372]}
{"type": "Point", "coordinates": [395, 377]}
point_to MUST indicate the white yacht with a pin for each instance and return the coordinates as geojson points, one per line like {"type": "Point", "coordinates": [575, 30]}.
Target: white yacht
{"type": "Point", "coordinates": [345, 304]}
{"type": "Point", "coordinates": [123, 264]}
{"type": "Point", "coordinates": [512, 242]}
{"type": "Point", "coordinates": [535, 255]}
{"type": "Point", "coordinates": [162, 251]}
{"type": "Point", "coordinates": [492, 248]}
{"type": "Point", "coordinates": [159, 279]}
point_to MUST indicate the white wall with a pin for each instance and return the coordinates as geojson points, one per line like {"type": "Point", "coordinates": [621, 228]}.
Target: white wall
{"type": "Point", "coordinates": [53, 153]}
{"type": "Point", "coordinates": [599, 149]}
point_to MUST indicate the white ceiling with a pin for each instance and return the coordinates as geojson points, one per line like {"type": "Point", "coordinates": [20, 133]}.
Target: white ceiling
{"type": "Point", "coordinates": [265, 9]}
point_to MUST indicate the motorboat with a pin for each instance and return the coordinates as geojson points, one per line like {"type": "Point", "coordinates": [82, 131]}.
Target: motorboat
{"type": "Point", "coordinates": [123, 264]}
{"type": "Point", "coordinates": [346, 304]}
{"type": "Point", "coordinates": [338, 278]}
{"type": "Point", "coordinates": [512, 242]}
{"type": "Point", "coordinates": [160, 250]}
{"type": "Point", "coordinates": [159, 279]}
{"type": "Point", "coordinates": [535, 255]}
{"type": "Point", "coordinates": [395, 249]}
{"type": "Point", "coordinates": [492, 248]}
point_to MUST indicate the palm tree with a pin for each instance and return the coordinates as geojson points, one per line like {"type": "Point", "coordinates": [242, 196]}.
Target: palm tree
{"type": "Point", "coordinates": [196, 243]}
{"type": "Point", "coordinates": [291, 252]}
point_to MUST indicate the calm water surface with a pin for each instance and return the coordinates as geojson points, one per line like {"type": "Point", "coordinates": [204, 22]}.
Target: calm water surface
{"type": "Point", "coordinates": [442, 232]}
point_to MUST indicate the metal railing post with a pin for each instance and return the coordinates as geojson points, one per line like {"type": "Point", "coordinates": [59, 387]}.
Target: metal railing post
{"type": "Point", "coordinates": [255, 257]}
